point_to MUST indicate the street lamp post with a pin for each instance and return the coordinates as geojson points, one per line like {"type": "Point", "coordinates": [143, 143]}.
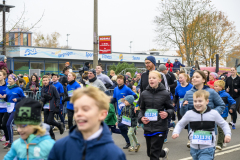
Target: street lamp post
{"type": "Point", "coordinates": [67, 40]}
{"type": "Point", "coordinates": [4, 8]}
{"type": "Point", "coordinates": [130, 46]}
{"type": "Point", "coordinates": [95, 35]}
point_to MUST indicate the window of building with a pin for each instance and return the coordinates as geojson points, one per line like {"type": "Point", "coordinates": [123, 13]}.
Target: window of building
{"type": "Point", "coordinates": [25, 39]}
{"type": "Point", "coordinates": [61, 67]}
{"type": "Point", "coordinates": [76, 66]}
{"type": "Point", "coordinates": [37, 65]}
{"type": "Point", "coordinates": [11, 39]}
{"type": "Point", "coordinates": [52, 67]}
{"type": "Point", "coordinates": [21, 66]}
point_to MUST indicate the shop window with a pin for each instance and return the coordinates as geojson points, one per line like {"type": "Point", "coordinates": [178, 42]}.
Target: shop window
{"type": "Point", "coordinates": [11, 39]}
{"type": "Point", "coordinates": [76, 66]}
{"type": "Point", "coordinates": [53, 67]}
{"type": "Point", "coordinates": [21, 66]}
{"type": "Point", "coordinates": [37, 65]}
{"type": "Point", "coordinates": [61, 67]}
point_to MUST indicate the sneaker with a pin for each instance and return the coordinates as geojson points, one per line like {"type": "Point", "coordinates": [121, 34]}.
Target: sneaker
{"type": "Point", "coordinates": [219, 147]}
{"type": "Point", "coordinates": [61, 129]}
{"type": "Point", "coordinates": [233, 126]}
{"type": "Point", "coordinates": [224, 145]}
{"type": "Point", "coordinates": [65, 129]}
{"type": "Point", "coordinates": [5, 144]}
{"type": "Point", "coordinates": [127, 146]}
{"type": "Point", "coordinates": [131, 149]}
{"type": "Point", "coordinates": [3, 139]}
{"type": "Point", "coordinates": [188, 144]}
{"type": "Point", "coordinates": [165, 140]}
{"type": "Point", "coordinates": [137, 147]}
{"type": "Point", "coordinates": [174, 124]}
{"type": "Point", "coordinates": [230, 123]}
{"type": "Point", "coordinates": [8, 146]}
{"type": "Point", "coordinates": [166, 152]}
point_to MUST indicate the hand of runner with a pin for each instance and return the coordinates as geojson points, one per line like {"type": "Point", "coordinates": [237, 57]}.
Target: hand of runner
{"type": "Point", "coordinates": [116, 124]}
{"type": "Point", "coordinates": [135, 109]}
{"type": "Point", "coordinates": [145, 120]}
{"type": "Point", "coordinates": [227, 89]}
{"type": "Point", "coordinates": [163, 114]}
{"type": "Point", "coordinates": [4, 96]}
{"type": "Point", "coordinates": [235, 90]}
{"type": "Point", "coordinates": [14, 100]}
{"type": "Point", "coordinates": [227, 139]}
{"type": "Point", "coordinates": [174, 136]}
{"type": "Point", "coordinates": [230, 110]}
{"type": "Point", "coordinates": [173, 104]}
{"type": "Point", "coordinates": [185, 102]}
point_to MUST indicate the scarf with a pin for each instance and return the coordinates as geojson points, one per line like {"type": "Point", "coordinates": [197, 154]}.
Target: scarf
{"type": "Point", "coordinates": [55, 82]}
{"type": "Point", "coordinates": [165, 81]}
{"type": "Point", "coordinates": [45, 88]}
{"type": "Point", "coordinates": [71, 82]}
{"type": "Point", "coordinates": [12, 86]}
{"type": "Point", "coordinates": [93, 79]}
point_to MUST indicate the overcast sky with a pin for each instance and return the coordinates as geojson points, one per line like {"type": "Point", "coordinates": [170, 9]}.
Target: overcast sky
{"type": "Point", "coordinates": [125, 20]}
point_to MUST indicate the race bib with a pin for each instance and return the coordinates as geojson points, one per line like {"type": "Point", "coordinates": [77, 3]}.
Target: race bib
{"type": "Point", "coordinates": [3, 104]}
{"type": "Point", "coordinates": [126, 120]}
{"type": "Point", "coordinates": [120, 104]}
{"type": "Point", "coordinates": [151, 114]}
{"type": "Point", "coordinates": [10, 107]}
{"type": "Point", "coordinates": [46, 106]}
{"type": "Point", "coordinates": [202, 137]}
{"type": "Point", "coordinates": [70, 93]}
{"type": "Point", "coordinates": [180, 102]}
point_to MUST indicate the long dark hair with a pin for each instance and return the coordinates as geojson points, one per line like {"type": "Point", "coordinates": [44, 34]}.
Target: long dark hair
{"type": "Point", "coordinates": [37, 80]}
{"type": "Point", "coordinates": [202, 75]}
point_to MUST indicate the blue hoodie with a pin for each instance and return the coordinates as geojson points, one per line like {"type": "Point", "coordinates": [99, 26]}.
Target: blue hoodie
{"type": "Point", "coordinates": [39, 148]}
{"type": "Point", "coordinates": [2, 92]}
{"type": "Point", "coordinates": [75, 147]}
{"type": "Point", "coordinates": [15, 92]}
{"type": "Point", "coordinates": [60, 90]}
{"type": "Point", "coordinates": [228, 100]}
{"type": "Point", "coordinates": [71, 87]}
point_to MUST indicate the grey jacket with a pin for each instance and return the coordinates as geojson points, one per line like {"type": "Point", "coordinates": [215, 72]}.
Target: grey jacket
{"type": "Point", "coordinates": [97, 83]}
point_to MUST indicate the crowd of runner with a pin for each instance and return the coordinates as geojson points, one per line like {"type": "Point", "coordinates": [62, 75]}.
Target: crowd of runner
{"type": "Point", "coordinates": [160, 98]}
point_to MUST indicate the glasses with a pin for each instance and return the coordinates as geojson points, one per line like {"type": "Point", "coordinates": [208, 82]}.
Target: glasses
{"type": "Point", "coordinates": [147, 63]}
{"type": "Point", "coordinates": [21, 125]}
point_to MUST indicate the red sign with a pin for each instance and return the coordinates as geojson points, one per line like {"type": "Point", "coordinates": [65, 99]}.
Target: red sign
{"type": "Point", "coordinates": [105, 46]}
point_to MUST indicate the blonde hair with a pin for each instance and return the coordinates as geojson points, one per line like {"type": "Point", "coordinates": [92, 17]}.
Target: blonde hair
{"type": "Point", "coordinates": [101, 99]}
{"type": "Point", "coordinates": [112, 71]}
{"type": "Point", "coordinates": [201, 93]}
{"type": "Point", "coordinates": [17, 81]}
{"type": "Point", "coordinates": [220, 83]}
{"type": "Point", "coordinates": [157, 73]}
{"type": "Point", "coordinates": [38, 130]}
{"type": "Point", "coordinates": [73, 74]}
{"type": "Point", "coordinates": [186, 75]}
{"type": "Point", "coordinates": [45, 76]}
{"type": "Point", "coordinates": [4, 73]}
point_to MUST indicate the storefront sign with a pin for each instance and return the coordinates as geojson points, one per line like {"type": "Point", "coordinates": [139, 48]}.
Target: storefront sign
{"type": "Point", "coordinates": [105, 45]}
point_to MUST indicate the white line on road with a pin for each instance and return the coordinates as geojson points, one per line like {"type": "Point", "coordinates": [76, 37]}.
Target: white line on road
{"type": "Point", "coordinates": [218, 153]}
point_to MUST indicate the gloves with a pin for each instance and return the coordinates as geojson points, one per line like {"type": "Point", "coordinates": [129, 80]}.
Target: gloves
{"type": "Point", "coordinates": [47, 97]}
{"type": "Point", "coordinates": [56, 110]}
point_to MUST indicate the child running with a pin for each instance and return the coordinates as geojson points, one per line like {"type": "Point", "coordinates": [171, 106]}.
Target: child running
{"type": "Point", "coordinates": [219, 87]}
{"type": "Point", "coordinates": [34, 141]}
{"type": "Point", "coordinates": [111, 120]}
{"type": "Point", "coordinates": [156, 108]}
{"type": "Point", "coordinates": [202, 120]}
{"type": "Point", "coordinates": [129, 118]}
{"type": "Point", "coordinates": [90, 138]}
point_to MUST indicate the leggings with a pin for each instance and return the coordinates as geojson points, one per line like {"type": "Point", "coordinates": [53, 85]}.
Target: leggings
{"type": "Point", "coordinates": [9, 126]}
{"type": "Point", "coordinates": [3, 124]}
{"type": "Point", "coordinates": [70, 118]}
{"type": "Point", "coordinates": [132, 137]}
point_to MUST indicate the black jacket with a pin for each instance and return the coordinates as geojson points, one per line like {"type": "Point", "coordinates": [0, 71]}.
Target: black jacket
{"type": "Point", "coordinates": [51, 96]}
{"type": "Point", "coordinates": [155, 99]}
{"type": "Point", "coordinates": [172, 82]}
{"type": "Point", "coordinates": [233, 84]}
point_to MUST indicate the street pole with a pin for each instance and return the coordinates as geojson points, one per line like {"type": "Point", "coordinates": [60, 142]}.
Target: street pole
{"type": "Point", "coordinates": [67, 40]}
{"type": "Point", "coordinates": [95, 35]}
{"type": "Point", "coordinates": [4, 34]}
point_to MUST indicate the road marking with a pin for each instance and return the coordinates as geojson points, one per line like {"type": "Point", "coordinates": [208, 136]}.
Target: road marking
{"type": "Point", "coordinates": [218, 152]}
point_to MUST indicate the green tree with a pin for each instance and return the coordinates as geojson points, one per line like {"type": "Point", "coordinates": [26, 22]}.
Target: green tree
{"type": "Point", "coordinates": [124, 66]}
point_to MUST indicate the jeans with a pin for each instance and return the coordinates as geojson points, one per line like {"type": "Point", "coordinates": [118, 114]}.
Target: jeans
{"type": "Point", "coordinates": [49, 119]}
{"type": "Point", "coordinates": [3, 124]}
{"type": "Point", "coordinates": [70, 118]}
{"type": "Point", "coordinates": [114, 129]}
{"type": "Point", "coordinates": [132, 137]}
{"type": "Point", "coordinates": [154, 146]}
{"type": "Point", "coordinates": [124, 131]}
{"type": "Point", "coordinates": [9, 127]}
{"type": "Point", "coordinates": [221, 136]}
{"type": "Point", "coordinates": [202, 154]}
{"type": "Point", "coordinates": [61, 114]}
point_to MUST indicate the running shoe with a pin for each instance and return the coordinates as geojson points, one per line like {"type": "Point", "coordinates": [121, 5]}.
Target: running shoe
{"type": "Point", "coordinates": [7, 146]}
{"type": "Point", "coordinates": [131, 149]}
{"type": "Point", "coordinates": [224, 145]}
{"type": "Point", "coordinates": [166, 154]}
{"type": "Point", "coordinates": [188, 144]}
{"type": "Point", "coordinates": [61, 129]}
{"type": "Point", "coordinates": [3, 139]}
{"type": "Point", "coordinates": [230, 123]}
{"type": "Point", "coordinates": [165, 140]}
{"type": "Point", "coordinates": [127, 146]}
{"type": "Point", "coordinates": [219, 147]}
{"type": "Point", "coordinates": [233, 126]}
{"type": "Point", "coordinates": [137, 147]}
{"type": "Point", "coordinates": [173, 124]}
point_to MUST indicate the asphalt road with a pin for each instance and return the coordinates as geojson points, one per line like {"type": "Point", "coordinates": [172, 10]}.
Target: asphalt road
{"type": "Point", "coordinates": [178, 148]}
